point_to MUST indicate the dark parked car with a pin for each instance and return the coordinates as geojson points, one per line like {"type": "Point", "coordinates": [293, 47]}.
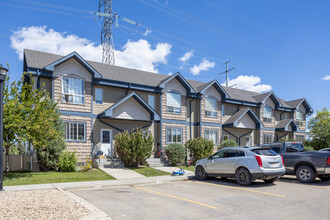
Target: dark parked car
{"type": "Point", "coordinates": [306, 165]}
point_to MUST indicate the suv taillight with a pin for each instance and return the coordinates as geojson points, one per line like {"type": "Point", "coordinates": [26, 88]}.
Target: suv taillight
{"type": "Point", "coordinates": [282, 160]}
{"type": "Point", "coordinates": [258, 158]}
{"type": "Point", "coordinates": [328, 161]}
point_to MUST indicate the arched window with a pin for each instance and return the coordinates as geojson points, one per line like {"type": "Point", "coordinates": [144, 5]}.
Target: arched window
{"type": "Point", "coordinates": [211, 107]}
{"type": "Point", "coordinates": [73, 90]}
{"type": "Point", "coordinates": [173, 102]}
{"type": "Point", "coordinates": [267, 114]}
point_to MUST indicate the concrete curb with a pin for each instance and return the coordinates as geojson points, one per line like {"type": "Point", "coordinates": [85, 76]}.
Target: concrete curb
{"type": "Point", "coordinates": [100, 184]}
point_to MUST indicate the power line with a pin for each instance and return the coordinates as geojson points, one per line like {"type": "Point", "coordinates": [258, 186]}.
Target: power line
{"type": "Point", "coordinates": [227, 71]}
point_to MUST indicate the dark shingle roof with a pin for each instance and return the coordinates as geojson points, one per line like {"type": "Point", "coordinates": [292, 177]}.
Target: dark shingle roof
{"type": "Point", "coordinates": [237, 115]}
{"type": "Point", "coordinates": [37, 59]}
{"type": "Point", "coordinates": [283, 123]}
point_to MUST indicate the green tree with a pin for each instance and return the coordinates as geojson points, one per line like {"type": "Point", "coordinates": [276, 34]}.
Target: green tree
{"type": "Point", "coordinates": [31, 116]}
{"type": "Point", "coordinates": [199, 148]}
{"type": "Point", "coordinates": [176, 153]}
{"type": "Point", "coordinates": [319, 129]}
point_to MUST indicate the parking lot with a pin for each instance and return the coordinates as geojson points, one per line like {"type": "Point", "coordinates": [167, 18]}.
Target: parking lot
{"type": "Point", "coordinates": [214, 199]}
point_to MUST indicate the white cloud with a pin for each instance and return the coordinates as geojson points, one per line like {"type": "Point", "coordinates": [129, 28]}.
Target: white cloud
{"type": "Point", "coordinates": [187, 56]}
{"type": "Point", "coordinates": [327, 77]}
{"type": "Point", "coordinates": [170, 74]}
{"type": "Point", "coordinates": [134, 54]}
{"type": "Point", "coordinates": [205, 65]}
{"type": "Point", "coordinates": [251, 83]}
{"type": "Point", "coordinates": [147, 32]}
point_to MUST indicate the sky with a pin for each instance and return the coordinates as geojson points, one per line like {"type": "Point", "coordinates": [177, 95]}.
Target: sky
{"type": "Point", "coordinates": [281, 46]}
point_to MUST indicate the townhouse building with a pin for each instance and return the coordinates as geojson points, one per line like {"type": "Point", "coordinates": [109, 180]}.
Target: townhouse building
{"type": "Point", "coordinates": [98, 101]}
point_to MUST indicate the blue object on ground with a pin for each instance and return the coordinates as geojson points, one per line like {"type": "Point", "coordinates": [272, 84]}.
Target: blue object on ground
{"type": "Point", "coordinates": [180, 172]}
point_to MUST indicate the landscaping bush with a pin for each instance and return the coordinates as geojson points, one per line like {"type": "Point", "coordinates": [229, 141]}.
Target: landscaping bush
{"type": "Point", "coordinates": [133, 149]}
{"type": "Point", "coordinates": [67, 161]}
{"type": "Point", "coordinates": [176, 153]}
{"type": "Point", "coordinates": [227, 143]}
{"type": "Point", "coordinates": [87, 166]}
{"type": "Point", "coordinates": [199, 148]}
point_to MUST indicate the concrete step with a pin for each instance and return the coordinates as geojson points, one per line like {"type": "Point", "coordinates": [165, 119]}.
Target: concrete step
{"type": "Point", "coordinates": [157, 162]}
{"type": "Point", "coordinates": [111, 163]}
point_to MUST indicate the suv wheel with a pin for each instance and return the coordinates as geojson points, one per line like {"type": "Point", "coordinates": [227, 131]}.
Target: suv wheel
{"type": "Point", "coordinates": [200, 173]}
{"type": "Point", "coordinates": [324, 178]}
{"type": "Point", "coordinates": [243, 177]}
{"type": "Point", "coordinates": [271, 180]}
{"type": "Point", "coordinates": [305, 174]}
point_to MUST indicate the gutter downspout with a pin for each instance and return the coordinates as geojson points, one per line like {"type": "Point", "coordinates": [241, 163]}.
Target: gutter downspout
{"type": "Point", "coordinates": [129, 88]}
{"type": "Point", "coordinates": [231, 134]}
{"type": "Point", "coordinates": [190, 112]}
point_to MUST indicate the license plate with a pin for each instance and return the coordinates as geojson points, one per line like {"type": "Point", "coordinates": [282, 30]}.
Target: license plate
{"type": "Point", "coordinates": [274, 164]}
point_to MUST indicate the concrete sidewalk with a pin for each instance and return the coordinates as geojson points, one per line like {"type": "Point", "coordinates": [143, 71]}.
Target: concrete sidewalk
{"type": "Point", "coordinates": [122, 173]}
{"type": "Point", "coordinates": [101, 184]}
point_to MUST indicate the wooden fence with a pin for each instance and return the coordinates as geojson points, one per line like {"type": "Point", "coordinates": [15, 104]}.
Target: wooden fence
{"type": "Point", "coordinates": [20, 162]}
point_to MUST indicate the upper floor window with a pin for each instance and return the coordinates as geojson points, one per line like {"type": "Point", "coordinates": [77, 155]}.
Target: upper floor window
{"type": "Point", "coordinates": [173, 102]}
{"type": "Point", "coordinates": [267, 114]}
{"type": "Point", "coordinates": [211, 136]}
{"type": "Point", "coordinates": [300, 118]}
{"type": "Point", "coordinates": [151, 101]}
{"type": "Point", "coordinates": [222, 110]}
{"type": "Point", "coordinates": [98, 95]}
{"type": "Point", "coordinates": [73, 90]}
{"type": "Point", "coordinates": [211, 107]}
{"type": "Point", "coordinates": [286, 116]}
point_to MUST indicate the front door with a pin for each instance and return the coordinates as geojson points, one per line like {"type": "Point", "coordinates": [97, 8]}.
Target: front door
{"type": "Point", "coordinates": [106, 140]}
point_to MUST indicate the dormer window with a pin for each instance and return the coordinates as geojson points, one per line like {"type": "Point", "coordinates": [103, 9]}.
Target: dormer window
{"type": "Point", "coordinates": [73, 90]}
{"type": "Point", "coordinates": [267, 114]}
{"type": "Point", "coordinates": [173, 102]}
{"type": "Point", "coordinates": [211, 107]}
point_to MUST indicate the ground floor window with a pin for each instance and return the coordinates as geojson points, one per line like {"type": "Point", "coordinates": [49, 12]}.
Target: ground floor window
{"type": "Point", "coordinates": [268, 138]}
{"type": "Point", "coordinates": [300, 138]}
{"type": "Point", "coordinates": [211, 136]}
{"type": "Point", "coordinates": [75, 131]}
{"type": "Point", "coordinates": [173, 135]}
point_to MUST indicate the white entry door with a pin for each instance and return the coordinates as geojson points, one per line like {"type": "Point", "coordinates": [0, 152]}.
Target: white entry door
{"type": "Point", "coordinates": [106, 140]}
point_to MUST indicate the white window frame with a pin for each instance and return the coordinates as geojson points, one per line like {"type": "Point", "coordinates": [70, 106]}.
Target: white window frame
{"type": "Point", "coordinates": [266, 118]}
{"type": "Point", "coordinates": [173, 109]}
{"type": "Point", "coordinates": [64, 95]}
{"type": "Point", "coordinates": [212, 113]}
{"type": "Point", "coordinates": [174, 130]}
{"type": "Point", "coordinates": [300, 120]}
{"type": "Point", "coordinates": [151, 101]}
{"type": "Point", "coordinates": [207, 136]}
{"type": "Point", "coordinates": [97, 101]}
{"type": "Point", "coordinates": [68, 131]}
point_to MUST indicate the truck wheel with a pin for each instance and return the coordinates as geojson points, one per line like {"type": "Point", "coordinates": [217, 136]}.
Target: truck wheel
{"type": "Point", "coordinates": [243, 177]}
{"type": "Point", "coordinates": [305, 174]}
{"type": "Point", "coordinates": [271, 180]}
{"type": "Point", "coordinates": [200, 173]}
{"type": "Point", "coordinates": [324, 178]}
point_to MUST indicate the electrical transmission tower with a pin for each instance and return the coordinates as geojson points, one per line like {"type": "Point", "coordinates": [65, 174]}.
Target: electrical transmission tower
{"type": "Point", "coordinates": [227, 71]}
{"type": "Point", "coordinates": [108, 55]}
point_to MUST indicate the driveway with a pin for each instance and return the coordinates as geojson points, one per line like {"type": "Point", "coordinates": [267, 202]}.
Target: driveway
{"type": "Point", "coordinates": [214, 199]}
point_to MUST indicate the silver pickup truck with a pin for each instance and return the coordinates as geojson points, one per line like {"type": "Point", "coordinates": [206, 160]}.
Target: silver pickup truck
{"type": "Point", "coordinates": [306, 165]}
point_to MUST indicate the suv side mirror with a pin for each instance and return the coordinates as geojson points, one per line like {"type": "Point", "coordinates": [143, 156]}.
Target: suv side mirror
{"type": "Point", "coordinates": [209, 158]}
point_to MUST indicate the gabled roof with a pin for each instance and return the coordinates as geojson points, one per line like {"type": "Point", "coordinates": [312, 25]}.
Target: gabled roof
{"type": "Point", "coordinates": [108, 113]}
{"type": "Point", "coordinates": [297, 102]}
{"type": "Point", "coordinates": [202, 88]}
{"type": "Point", "coordinates": [181, 80]}
{"type": "Point", "coordinates": [262, 97]}
{"type": "Point", "coordinates": [78, 58]}
{"type": "Point", "coordinates": [283, 125]}
{"type": "Point", "coordinates": [233, 120]}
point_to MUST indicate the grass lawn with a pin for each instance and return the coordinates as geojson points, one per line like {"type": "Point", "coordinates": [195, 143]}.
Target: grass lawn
{"type": "Point", "coordinates": [26, 178]}
{"type": "Point", "coordinates": [148, 171]}
{"type": "Point", "coordinates": [190, 168]}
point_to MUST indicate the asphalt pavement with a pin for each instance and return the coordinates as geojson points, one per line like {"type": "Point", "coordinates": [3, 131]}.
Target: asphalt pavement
{"type": "Point", "coordinates": [214, 199]}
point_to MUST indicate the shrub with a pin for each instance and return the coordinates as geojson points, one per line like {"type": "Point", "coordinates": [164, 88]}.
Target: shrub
{"type": "Point", "coordinates": [199, 148]}
{"type": "Point", "coordinates": [227, 143]}
{"type": "Point", "coordinates": [133, 149]}
{"type": "Point", "coordinates": [67, 161]}
{"type": "Point", "coordinates": [176, 153]}
{"type": "Point", "coordinates": [87, 166]}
